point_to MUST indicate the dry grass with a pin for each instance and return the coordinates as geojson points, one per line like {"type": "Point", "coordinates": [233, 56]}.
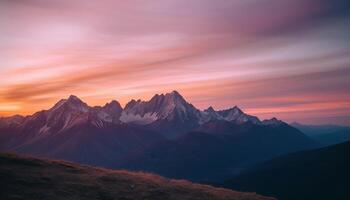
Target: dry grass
{"type": "Point", "coordinates": [30, 178]}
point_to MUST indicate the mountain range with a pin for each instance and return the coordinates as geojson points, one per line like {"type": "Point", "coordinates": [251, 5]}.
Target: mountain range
{"type": "Point", "coordinates": [166, 135]}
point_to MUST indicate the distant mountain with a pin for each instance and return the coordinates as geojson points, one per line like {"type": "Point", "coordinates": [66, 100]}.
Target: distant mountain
{"type": "Point", "coordinates": [74, 131]}
{"type": "Point", "coordinates": [218, 149]}
{"type": "Point", "coordinates": [166, 135]}
{"type": "Point", "coordinates": [173, 116]}
{"type": "Point", "coordinates": [325, 134]}
{"type": "Point", "coordinates": [236, 115]}
{"type": "Point", "coordinates": [30, 178]}
{"type": "Point", "coordinates": [314, 175]}
{"type": "Point", "coordinates": [64, 115]}
{"type": "Point", "coordinates": [170, 114]}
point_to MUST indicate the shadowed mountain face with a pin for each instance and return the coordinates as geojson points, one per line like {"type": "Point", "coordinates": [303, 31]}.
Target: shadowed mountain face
{"type": "Point", "coordinates": [316, 174]}
{"type": "Point", "coordinates": [28, 178]}
{"type": "Point", "coordinates": [74, 131]}
{"type": "Point", "coordinates": [217, 149]}
{"type": "Point", "coordinates": [91, 145]}
{"type": "Point", "coordinates": [166, 135]}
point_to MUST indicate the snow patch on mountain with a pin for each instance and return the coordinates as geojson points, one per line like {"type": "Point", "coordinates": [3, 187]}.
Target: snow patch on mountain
{"type": "Point", "coordinates": [273, 121]}
{"type": "Point", "coordinates": [234, 115]}
{"type": "Point", "coordinates": [147, 118]}
{"type": "Point", "coordinates": [44, 130]}
{"type": "Point", "coordinates": [169, 111]}
{"type": "Point", "coordinates": [168, 107]}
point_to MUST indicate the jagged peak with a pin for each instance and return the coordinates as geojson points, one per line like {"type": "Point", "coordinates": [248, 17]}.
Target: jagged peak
{"type": "Point", "coordinates": [14, 119]}
{"type": "Point", "coordinates": [176, 97]}
{"type": "Point", "coordinates": [272, 121]}
{"type": "Point", "coordinates": [235, 109]}
{"type": "Point", "coordinates": [113, 103]}
{"type": "Point", "coordinates": [171, 98]}
{"type": "Point", "coordinates": [210, 109]}
{"type": "Point", "coordinates": [130, 104]}
{"type": "Point", "coordinates": [158, 95]}
{"type": "Point", "coordinates": [72, 101]}
{"type": "Point", "coordinates": [73, 97]}
{"type": "Point", "coordinates": [174, 94]}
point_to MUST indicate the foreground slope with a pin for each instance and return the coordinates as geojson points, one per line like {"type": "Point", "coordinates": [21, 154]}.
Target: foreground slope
{"type": "Point", "coordinates": [317, 174]}
{"type": "Point", "coordinates": [29, 178]}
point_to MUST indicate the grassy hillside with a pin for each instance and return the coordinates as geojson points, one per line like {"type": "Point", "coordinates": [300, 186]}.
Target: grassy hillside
{"type": "Point", "coordinates": [31, 178]}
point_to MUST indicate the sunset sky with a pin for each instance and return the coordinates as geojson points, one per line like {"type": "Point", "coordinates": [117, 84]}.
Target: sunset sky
{"type": "Point", "coordinates": [284, 58]}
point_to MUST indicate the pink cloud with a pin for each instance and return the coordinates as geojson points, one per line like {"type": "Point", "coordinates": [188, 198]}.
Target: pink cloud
{"type": "Point", "coordinates": [265, 56]}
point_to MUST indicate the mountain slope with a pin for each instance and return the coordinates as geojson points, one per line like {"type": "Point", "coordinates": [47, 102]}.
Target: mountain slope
{"type": "Point", "coordinates": [29, 178]}
{"type": "Point", "coordinates": [74, 131]}
{"type": "Point", "coordinates": [217, 150]}
{"type": "Point", "coordinates": [88, 144]}
{"type": "Point", "coordinates": [313, 175]}
{"type": "Point", "coordinates": [64, 115]}
{"type": "Point", "coordinates": [237, 115]}
{"type": "Point", "coordinates": [169, 114]}
{"type": "Point", "coordinates": [137, 137]}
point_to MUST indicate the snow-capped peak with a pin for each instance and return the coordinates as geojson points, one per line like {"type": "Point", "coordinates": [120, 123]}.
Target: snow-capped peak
{"type": "Point", "coordinates": [272, 121]}
{"type": "Point", "coordinates": [72, 103]}
{"type": "Point", "coordinates": [168, 112]}
{"type": "Point", "coordinates": [160, 106]}
{"type": "Point", "coordinates": [110, 112]}
{"type": "Point", "coordinates": [233, 114]}
{"type": "Point", "coordinates": [113, 105]}
{"type": "Point", "coordinates": [73, 98]}
{"type": "Point", "coordinates": [175, 95]}
{"type": "Point", "coordinates": [209, 109]}
{"type": "Point", "coordinates": [209, 114]}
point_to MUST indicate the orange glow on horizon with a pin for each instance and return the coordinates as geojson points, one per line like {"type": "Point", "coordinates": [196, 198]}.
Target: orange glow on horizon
{"type": "Point", "coordinates": [270, 64]}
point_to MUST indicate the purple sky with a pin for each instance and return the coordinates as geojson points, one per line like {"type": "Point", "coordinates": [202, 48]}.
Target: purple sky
{"type": "Point", "coordinates": [284, 58]}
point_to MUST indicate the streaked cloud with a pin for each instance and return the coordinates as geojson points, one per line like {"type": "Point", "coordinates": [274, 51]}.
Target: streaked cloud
{"type": "Point", "coordinates": [289, 59]}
